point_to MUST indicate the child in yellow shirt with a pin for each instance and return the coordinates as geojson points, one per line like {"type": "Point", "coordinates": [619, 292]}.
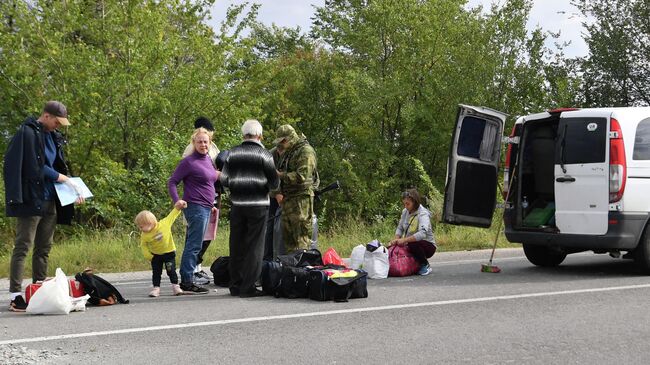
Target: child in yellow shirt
{"type": "Point", "coordinates": [158, 247]}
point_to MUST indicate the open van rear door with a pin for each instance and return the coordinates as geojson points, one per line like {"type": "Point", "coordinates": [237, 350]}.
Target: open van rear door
{"type": "Point", "coordinates": [582, 172]}
{"type": "Point", "coordinates": [472, 167]}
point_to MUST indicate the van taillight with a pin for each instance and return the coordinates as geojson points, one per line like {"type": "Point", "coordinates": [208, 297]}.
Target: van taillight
{"type": "Point", "coordinates": [617, 165]}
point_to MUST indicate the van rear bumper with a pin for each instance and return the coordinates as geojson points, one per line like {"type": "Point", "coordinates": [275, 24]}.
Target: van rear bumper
{"type": "Point", "coordinates": [624, 235]}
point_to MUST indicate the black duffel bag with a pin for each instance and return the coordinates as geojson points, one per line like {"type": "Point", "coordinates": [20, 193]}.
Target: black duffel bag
{"type": "Point", "coordinates": [271, 277]}
{"type": "Point", "coordinates": [301, 258]}
{"type": "Point", "coordinates": [322, 287]}
{"type": "Point", "coordinates": [294, 283]}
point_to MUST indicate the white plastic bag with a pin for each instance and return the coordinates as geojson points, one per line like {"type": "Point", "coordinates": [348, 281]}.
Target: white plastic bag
{"type": "Point", "coordinates": [52, 297]}
{"type": "Point", "coordinates": [375, 263]}
{"type": "Point", "coordinates": [356, 257]}
{"type": "Point", "coordinates": [79, 304]}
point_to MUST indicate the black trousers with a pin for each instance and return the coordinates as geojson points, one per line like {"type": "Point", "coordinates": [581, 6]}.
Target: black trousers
{"type": "Point", "coordinates": [268, 237]}
{"type": "Point", "coordinates": [168, 261]}
{"type": "Point", "coordinates": [421, 250]}
{"type": "Point", "coordinates": [247, 229]}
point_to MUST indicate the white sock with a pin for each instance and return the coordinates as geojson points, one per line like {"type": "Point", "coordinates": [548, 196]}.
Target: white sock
{"type": "Point", "coordinates": [197, 268]}
{"type": "Point", "coordinates": [13, 296]}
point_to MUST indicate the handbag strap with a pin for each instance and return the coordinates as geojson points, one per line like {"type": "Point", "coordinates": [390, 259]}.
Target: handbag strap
{"type": "Point", "coordinates": [406, 231]}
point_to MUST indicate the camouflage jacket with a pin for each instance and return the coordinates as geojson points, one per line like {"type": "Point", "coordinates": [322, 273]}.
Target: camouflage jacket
{"type": "Point", "coordinates": [301, 174]}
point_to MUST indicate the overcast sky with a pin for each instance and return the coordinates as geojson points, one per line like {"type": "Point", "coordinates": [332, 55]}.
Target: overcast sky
{"type": "Point", "coordinates": [553, 15]}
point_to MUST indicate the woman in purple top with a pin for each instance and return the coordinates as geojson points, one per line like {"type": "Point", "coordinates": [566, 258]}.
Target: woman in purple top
{"type": "Point", "coordinates": [198, 176]}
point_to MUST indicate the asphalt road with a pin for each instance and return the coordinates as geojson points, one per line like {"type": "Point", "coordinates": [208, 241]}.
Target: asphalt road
{"type": "Point", "coordinates": [591, 309]}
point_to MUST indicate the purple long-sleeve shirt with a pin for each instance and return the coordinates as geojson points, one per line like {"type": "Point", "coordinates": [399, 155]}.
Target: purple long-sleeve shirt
{"type": "Point", "coordinates": [198, 177]}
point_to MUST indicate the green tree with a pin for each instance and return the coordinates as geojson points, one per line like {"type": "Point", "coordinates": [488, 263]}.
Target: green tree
{"type": "Point", "coordinates": [134, 75]}
{"type": "Point", "coordinates": [616, 72]}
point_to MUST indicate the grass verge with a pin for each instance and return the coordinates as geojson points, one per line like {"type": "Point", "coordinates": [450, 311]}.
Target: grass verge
{"type": "Point", "coordinates": [119, 250]}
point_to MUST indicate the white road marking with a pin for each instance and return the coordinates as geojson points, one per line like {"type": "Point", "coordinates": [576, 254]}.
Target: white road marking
{"type": "Point", "coordinates": [323, 313]}
{"type": "Point", "coordinates": [473, 261]}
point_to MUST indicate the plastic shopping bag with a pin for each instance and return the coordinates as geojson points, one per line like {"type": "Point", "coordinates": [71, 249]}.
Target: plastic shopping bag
{"type": "Point", "coordinates": [331, 257]}
{"type": "Point", "coordinates": [356, 257]}
{"type": "Point", "coordinates": [53, 296]}
{"type": "Point", "coordinates": [79, 303]}
{"type": "Point", "coordinates": [211, 229]}
{"type": "Point", "coordinates": [376, 263]}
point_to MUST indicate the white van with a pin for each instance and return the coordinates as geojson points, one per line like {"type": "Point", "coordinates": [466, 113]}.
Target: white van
{"type": "Point", "coordinates": [574, 180]}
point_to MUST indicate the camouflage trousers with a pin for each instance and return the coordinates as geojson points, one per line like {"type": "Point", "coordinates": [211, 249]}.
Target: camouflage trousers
{"type": "Point", "coordinates": [297, 213]}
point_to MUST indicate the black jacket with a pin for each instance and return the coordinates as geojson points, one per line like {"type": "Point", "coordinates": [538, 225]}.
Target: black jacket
{"type": "Point", "coordinates": [23, 172]}
{"type": "Point", "coordinates": [250, 174]}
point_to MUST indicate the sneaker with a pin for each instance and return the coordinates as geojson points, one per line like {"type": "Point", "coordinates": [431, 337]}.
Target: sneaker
{"type": "Point", "coordinates": [155, 292]}
{"type": "Point", "coordinates": [199, 279]}
{"type": "Point", "coordinates": [176, 289]}
{"type": "Point", "coordinates": [18, 304]}
{"type": "Point", "coordinates": [424, 270]}
{"type": "Point", "coordinates": [204, 274]}
{"type": "Point", "coordinates": [193, 289]}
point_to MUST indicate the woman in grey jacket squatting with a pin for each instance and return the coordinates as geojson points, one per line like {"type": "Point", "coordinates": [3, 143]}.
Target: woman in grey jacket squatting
{"type": "Point", "coordinates": [414, 230]}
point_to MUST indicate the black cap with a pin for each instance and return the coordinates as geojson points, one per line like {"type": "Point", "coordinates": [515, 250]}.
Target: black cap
{"type": "Point", "coordinates": [58, 110]}
{"type": "Point", "coordinates": [203, 122]}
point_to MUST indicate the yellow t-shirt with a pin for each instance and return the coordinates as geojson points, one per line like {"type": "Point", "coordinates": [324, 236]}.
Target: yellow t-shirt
{"type": "Point", "coordinates": [159, 240]}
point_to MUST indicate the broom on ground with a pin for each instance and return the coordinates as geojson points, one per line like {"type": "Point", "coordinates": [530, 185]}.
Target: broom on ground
{"type": "Point", "coordinates": [489, 267]}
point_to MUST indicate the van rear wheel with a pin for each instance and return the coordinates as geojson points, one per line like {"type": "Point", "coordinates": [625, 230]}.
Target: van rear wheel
{"type": "Point", "coordinates": [543, 255]}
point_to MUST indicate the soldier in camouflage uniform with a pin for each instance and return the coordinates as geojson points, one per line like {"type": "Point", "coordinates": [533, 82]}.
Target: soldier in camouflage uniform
{"type": "Point", "coordinates": [299, 179]}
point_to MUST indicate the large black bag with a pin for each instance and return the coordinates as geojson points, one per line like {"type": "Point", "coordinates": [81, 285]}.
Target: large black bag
{"type": "Point", "coordinates": [322, 287]}
{"type": "Point", "coordinates": [294, 283]}
{"type": "Point", "coordinates": [318, 289]}
{"type": "Point", "coordinates": [301, 258]}
{"type": "Point", "coordinates": [220, 269]}
{"type": "Point", "coordinates": [101, 292]}
{"type": "Point", "coordinates": [342, 289]}
{"type": "Point", "coordinates": [271, 277]}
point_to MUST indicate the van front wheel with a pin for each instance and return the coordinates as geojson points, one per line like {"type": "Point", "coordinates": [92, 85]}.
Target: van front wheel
{"type": "Point", "coordinates": [543, 255]}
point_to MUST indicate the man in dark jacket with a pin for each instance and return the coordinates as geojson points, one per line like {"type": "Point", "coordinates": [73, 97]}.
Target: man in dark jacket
{"type": "Point", "coordinates": [34, 161]}
{"type": "Point", "coordinates": [249, 174]}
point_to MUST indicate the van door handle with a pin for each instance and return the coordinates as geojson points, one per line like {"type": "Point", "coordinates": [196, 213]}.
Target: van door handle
{"type": "Point", "coordinates": [565, 179]}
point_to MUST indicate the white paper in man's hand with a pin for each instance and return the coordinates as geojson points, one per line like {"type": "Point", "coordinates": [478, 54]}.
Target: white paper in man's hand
{"type": "Point", "coordinates": [67, 195]}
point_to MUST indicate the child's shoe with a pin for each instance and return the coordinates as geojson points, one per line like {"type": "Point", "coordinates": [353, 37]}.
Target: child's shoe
{"type": "Point", "coordinates": [176, 289]}
{"type": "Point", "coordinates": [155, 292]}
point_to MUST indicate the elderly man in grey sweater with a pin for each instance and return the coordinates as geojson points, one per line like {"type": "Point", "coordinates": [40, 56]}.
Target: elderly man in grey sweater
{"type": "Point", "coordinates": [249, 174]}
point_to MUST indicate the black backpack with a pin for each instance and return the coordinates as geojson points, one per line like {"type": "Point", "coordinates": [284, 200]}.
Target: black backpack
{"type": "Point", "coordinates": [101, 292]}
{"type": "Point", "coordinates": [221, 271]}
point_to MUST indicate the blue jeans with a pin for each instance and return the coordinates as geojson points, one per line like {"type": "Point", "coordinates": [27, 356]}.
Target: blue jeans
{"type": "Point", "coordinates": [197, 217]}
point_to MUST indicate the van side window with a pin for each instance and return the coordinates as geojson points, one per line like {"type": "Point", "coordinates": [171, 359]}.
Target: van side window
{"type": "Point", "coordinates": [477, 139]}
{"type": "Point", "coordinates": [642, 141]}
{"type": "Point", "coordinates": [585, 140]}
